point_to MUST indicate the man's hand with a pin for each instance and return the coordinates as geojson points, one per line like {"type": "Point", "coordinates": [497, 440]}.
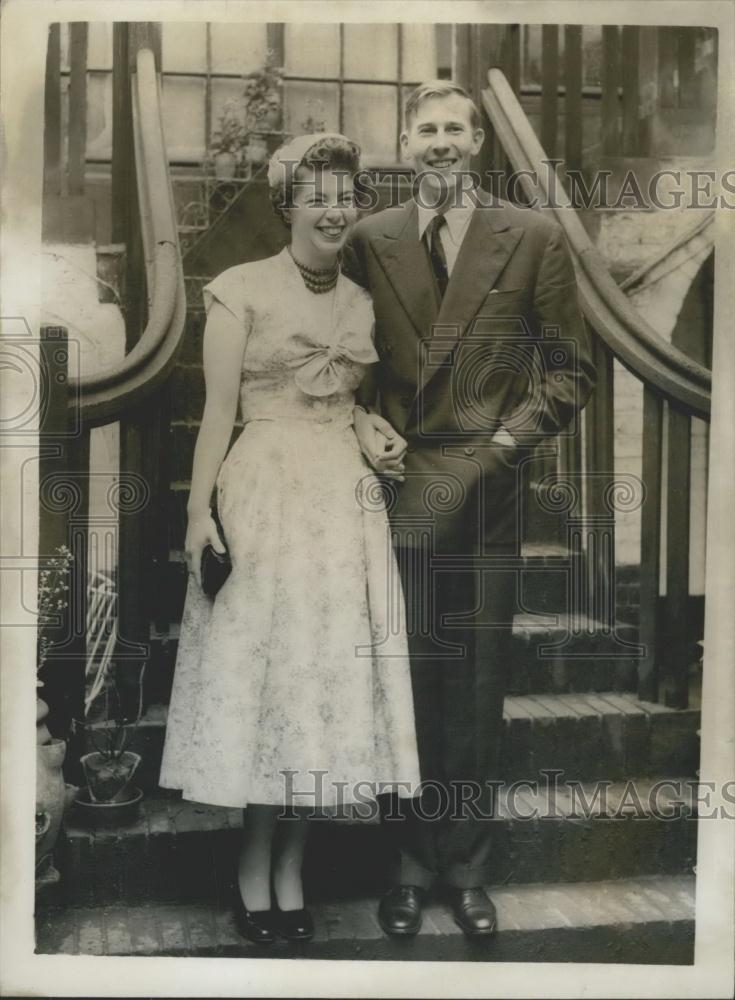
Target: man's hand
{"type": "Point", "coordinates": [382, 446]}
{"type": "Point", "coordinates": [503, 436]}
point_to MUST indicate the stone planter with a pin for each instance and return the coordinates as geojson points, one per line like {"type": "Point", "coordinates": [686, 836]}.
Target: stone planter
{"type": "Point", "coordinates": [52, 798]}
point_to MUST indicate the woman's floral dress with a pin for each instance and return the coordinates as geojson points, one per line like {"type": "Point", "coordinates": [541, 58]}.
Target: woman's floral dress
{"type": "Point", "coordinates": [293, 685]}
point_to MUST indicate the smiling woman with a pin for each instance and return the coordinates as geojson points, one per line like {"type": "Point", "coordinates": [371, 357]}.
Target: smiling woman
{"type": "Point", "coordinates": [299, 665]}
{"type": "Point", "coordinates": [313, 193]}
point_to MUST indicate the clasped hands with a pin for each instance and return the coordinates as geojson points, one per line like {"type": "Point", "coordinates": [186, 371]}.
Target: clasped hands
{"type": "Point", "coordinates": [385, 449]}
{"type": "Point", "coordinates": [382, 446]}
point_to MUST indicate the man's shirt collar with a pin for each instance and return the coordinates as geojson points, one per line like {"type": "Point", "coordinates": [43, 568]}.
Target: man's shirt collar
{"type": "Point", "coordinates": [458, 219]}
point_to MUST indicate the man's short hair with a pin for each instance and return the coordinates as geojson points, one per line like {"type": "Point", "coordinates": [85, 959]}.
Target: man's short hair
{"type": "Point", "coordinates": [438, 88]}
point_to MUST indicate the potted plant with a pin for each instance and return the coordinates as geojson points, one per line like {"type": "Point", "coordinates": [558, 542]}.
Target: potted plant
{"type": "Point", "coordinates": [227, 143]}
{"type": "Point", "coordinates": [315, 120]}
{"type": "Point", "coordinates": [263, 111]}
{"type": "Point", "coordinates": [52, 794]}
{"type": "Point", "coordinates": [262, 98]}
{"type": "Point", "coordinates": [109, 797]}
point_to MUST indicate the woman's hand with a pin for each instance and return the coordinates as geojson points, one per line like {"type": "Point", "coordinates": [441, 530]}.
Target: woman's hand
{"type": "Point", "coordinates": [200, 532]}
{"type": "Point", "coordinates": [382, 446]}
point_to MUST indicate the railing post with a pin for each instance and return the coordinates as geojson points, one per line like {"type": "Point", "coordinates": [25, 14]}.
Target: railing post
{"type": "Point", "coordinates": [610, 126]}
{"type": "Point", "coordinates": [63, 521]}
{"type": "Point", "coordinates": [122, 165]}
{"type": "Point", "coordinates": [650, 544]}
{"type": "Point", "coordinates": [573, 98]}
{"type": "Point", "coordinates": [77, 106]}
{"type": "Point", "coordinates": [549, 88]}
{"type": "Point", "coordinates": [675, 634]}
{"type": "Point", "coordinates": [52, 114]}
{"type": "Point", "coordinates": [140, 427]}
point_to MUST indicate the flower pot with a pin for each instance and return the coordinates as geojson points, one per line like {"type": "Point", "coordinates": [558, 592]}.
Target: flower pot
{"type": "Point", "coordinates": [107, 815]}
{"type": "Point", "coordinates": [51, 801]}
{"type": "Point", "coordinates": [225, 165]}
{"type": "Point", "coordinates": [109, 776]}
{"type": "Point", "coordinates": [256, 151]}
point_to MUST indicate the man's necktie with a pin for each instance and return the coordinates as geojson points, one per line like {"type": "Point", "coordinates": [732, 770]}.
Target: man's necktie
{"type": "Point", "coordinates": [436, 252]}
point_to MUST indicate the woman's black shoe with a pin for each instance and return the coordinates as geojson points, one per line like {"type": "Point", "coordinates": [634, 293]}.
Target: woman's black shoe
{"type": "Point", "coordinates": [295, 925]}
{"type": "Point", "coordinates": [255, 925]}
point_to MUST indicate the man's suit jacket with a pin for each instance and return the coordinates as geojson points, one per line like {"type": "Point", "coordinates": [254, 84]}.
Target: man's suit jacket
{"type": "Point", "coordinates": [506, 346]}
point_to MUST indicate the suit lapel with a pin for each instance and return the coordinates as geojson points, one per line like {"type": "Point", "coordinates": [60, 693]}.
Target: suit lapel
{"type": "Point", "coordinates": [486, 249]}
{"type": "Point", "coordinates": [406, 264]}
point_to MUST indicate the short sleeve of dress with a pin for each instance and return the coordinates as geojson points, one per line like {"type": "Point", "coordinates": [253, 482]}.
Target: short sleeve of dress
{"type": "Point", "coordinates": [230, 290]}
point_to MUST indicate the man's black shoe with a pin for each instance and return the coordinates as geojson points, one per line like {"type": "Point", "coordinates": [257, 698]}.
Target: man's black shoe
{"type": "Point", "coordinates": [400, 910]}
{"type": "Point", "coordinates": [473, 911]}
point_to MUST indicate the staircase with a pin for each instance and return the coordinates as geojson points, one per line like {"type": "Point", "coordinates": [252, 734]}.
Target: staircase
{"type": "Point", "coordinates": [608, 883]}
{"type": "Point", "coordinates": [613, 882]}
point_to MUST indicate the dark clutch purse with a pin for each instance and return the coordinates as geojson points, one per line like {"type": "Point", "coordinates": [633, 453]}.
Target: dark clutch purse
{"type": "Point", "coordinates": [216, 566]}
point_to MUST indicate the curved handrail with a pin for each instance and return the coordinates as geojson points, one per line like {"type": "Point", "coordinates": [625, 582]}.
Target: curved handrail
{"type": "Point", "coordinates": [103, 396]}
{"type": "Point", "coordinates": [636, 344]}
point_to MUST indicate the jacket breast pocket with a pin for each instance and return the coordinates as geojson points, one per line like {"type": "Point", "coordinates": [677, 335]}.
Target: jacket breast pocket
{"type": "Point", "coordinates": [498, 300]}
{"type": "Point", "coordinates": [501, 314]}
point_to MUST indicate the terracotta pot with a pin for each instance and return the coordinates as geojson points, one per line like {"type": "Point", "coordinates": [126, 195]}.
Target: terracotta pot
{"type": "Point", "coordinates": [108, 777]}
{"type": "Point", "coordinates": [225, 165]}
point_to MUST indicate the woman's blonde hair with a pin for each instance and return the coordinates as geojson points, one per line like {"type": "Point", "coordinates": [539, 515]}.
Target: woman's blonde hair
{"type": "Point", "coordinates": [438, 88]}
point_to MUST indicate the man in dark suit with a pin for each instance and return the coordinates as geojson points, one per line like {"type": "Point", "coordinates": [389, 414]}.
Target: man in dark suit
{"type": "Point", "coordinates": [483, 352]}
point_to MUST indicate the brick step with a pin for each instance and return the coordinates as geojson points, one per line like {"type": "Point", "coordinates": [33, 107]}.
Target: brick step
{"type": "Point", "coordinates": [183, 851]}
{"type": "Point", "coordinates": [587, 736]}
{"type": "Point", "coordinates": [640, 921]}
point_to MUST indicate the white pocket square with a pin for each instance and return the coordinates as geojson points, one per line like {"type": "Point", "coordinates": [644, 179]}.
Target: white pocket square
{"type": "Point", "coordinates": [493, 291]}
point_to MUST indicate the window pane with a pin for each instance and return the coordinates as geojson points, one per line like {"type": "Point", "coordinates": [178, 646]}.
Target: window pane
{"type": "Point", "coordinates": [419, 52]}
{"type": "Point", "coordinates": [99, 45]}
{"type": "Point", "coordinates": [319, 101]}
{"type": "Point", "coordinates": [371, 51]}
{"type": "Point", "coordinates": [99, 116]}
{"type": "Point", "coordinates": [64, 47]}
{"type": "Point", "coordinates": [444, 41]}
{"type": "Point", "coordinates": [370, 119]}
{"type": "Point", "coordinates": [184, 45]}
{"type": "Point", "coordinates": [532, 53]}
{"type": "Point", "coordinates": [592, 54]}
{"type": "Point", "coordinates": [224, 90]}
{"type": "Point", "coordinates": [238, 48]}
{"type": "Point", "coordinates": [183, 118]}
{"type": "Point", "coordinates": [312, 49]}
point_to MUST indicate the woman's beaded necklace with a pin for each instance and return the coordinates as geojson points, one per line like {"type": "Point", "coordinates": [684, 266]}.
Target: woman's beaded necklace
{"type": "Point", "coordinates": [316, 280]}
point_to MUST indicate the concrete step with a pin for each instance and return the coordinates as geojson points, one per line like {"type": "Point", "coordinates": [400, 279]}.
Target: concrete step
{"type": "Point", "coordinates": [183, 851]}
{"type": "Point", "coordinates": [641, 921]}
{"type": "Point", "coordinates": [588, 737]}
